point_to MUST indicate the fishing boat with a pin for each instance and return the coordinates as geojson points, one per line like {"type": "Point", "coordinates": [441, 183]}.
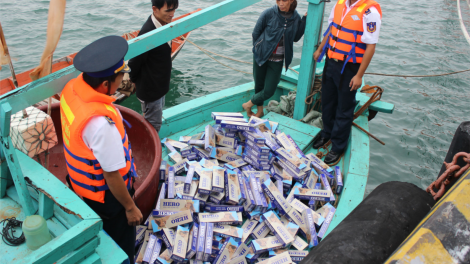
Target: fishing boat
{"type": "Point", "coordinates": [7, 85]}
{"type": "Point", "coordinates": [77, 230]}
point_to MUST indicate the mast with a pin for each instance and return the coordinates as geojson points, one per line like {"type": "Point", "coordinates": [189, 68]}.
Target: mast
{"type": "Point", "coordinates": [316, 9]}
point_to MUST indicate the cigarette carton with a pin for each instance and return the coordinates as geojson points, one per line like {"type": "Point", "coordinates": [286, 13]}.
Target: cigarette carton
{"type": "Point", "coordinates": [201, 240]}
{"type": "Point", "coordinates": [255, 138]}
{"type": "Point", "coordinates": [310, 224]}
{"type": "Point", "coordinates": [171, 183]}
{"type": "Point", "coordinates": [209, 140]}
{"type": "Point", "coordinates": [168, 237]}
{"type": "Point", "coordinates": [205, 181]}
{"type": "Point", "coordinates": [260, 231]}
{"type": "Point", "coordinates": [258, 156]}
{"type": "Point", "coordinates": [227, 142]}
{"type": "Point", "coordinates": [164, 258]}
{"type": "Point", "coordinates": [285, 142]}
{"type": "Point", "coordinates": [310, 181]}
{"type": "Point", "coordinates": [187, 151]}
{"type": "Point", "coordinates": [237, 126]}
{"type": "Point", "coordinates": [256, 191]}
{"type": "Point", "coordinates": [248, 228]}
{"type": "Point", "coordinates": [189, 179]}
{"type": "Point", "coordinates": [180, 205]}
{"type": "Point", "coordinates": [180, 166]}
{"type": "Point", "coordinates": [222, 218]}
{"type": "Point", "coordinates": [217, 198]}
{"type": "Point", "coordinates": [227, 252]}
{"type": "Point", "coordinates": [255, 163]}
{"type": "Point", "coordinates": [297, 255]}
{"type": "Point", "coordinates": [140, 234]}
{"type": "Point", "coordinates": [192, 192]}
{"type": "Point", "coordinates": [218, 182]}
{"type": "Point", "coordinates": [264, 202]}
{"type": "Point", "coordinates": [270, 140]}
{"type": "Point", "coordinates": [287, 167]}
{"type": "Point", "coordinates": [192, 157]}
{"type": "Point", "coordinates": [327, 223]}
{"type": "Point", "coordinates": [295, 163]}
{"type": "Point", "coordinates": [176, 144]}
{"type": "Point", "coordinates": [192, 247]}
{"type": "Point", "coordinates": [196, 142]}
{"type": "Point", "coordinates": [214, 208]}
{"type": "Point", "coordinates": [226, 114]}
{"type": "Point", "coordinates": [283, 258]}
{"type": "Point", "coordinates": [202, 198]}
{"type": "Point", "coordinates": [141, 254]}
{"type": "Point", "coordinates": [298, 205]}
{"type": "Point", "coordinates": [239, 260]}
{"type": "Point", "coordinates": [163, 168]}
{"type": "Point", "coordinates": [326, 186]}
{"type": "Point", "coordinates": [181, 244]}
{"type": "Point", "coordinates": [225, 156]}
{"type": "Point", "coordinates": [228, 231]}
{"type": "Point", "coordinates": [219, 119]}
{"type": "Point", "coordinates": [292, 229]}
{"type": "Point", "coordinates": [250, 204]}
{"type": "Point", "coordinates": [170, 221]}
{"type": "Point", "coordinates": [299, 243]}
{"type": "Point", "coordinates": [276, 196]}
{"type": "Point", "coordinates": [339, 180]}
{"type": "Point", "coordinates": [253, 215]}
{"type": "Point", "coordinates": [262, 126]}
{"type": "Point", "coordinates": [266, 244]}
{"type": "Point", "coordinates": [185, 139]}
{"type": "Point", "coordinates": [318, 161]}
{"type": "Point", "coordinates": [175, 156]}
{"type": "Point", "coordinates": [297, 218]}
{"type": "Point", "coordinates": [309, 194]}
{"type": "Point", "coordinates": [260, 148]}
{"type": "Point", "coordinates": [279, 186]}
{"type": "Point", "coordinates": [208, 239]}
{"type": "Point", "coordinates": [236, 164]}
{"type": "Point", "coordinates": [204, 153]}
{"type": "Point", "coordinates": [291, 197]}
{"type": "Point", "coordinates": [241, 182]}
{"type": "Point", "coordinates": [232, 188]}
{"type": "Point", "coordinates": [209, 163]}
{"type": "Point", "coordinates": [156, 250]}
{"type": "Point", "coordinates": [279, 230]}
{"type": "Point", "coordinates": [160, 213]}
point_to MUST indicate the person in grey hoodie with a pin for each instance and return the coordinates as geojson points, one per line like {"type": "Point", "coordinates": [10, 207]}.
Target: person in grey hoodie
{"type": "Point", "coordinates": [273, 47]}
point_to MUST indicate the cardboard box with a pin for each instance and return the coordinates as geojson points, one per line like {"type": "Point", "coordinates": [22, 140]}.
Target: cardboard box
{"type": "Point", "coordinates": [226, 114]}
{"type": "Point", "coordinates": [192, 244]}
{"type": "Point", "coordinates": [255, 138]}
{"type": "Point", "coordinates": [327, 222]}
{"type": "Point", "coordinates": [299, 243]}
{"type": "Point", "coordinates": [185, 139]}
{"type": "Point", "coordinates": [201, 241]}
{"type": "Point", "coordinates": [276, 196]}
{"type": "Point", "coordinates": [237, 126]}
{"type": "Point", "coordinates": [205, 181]}
{"type": "Point", "coordinates": [160, 213]}
{"type": "Point", "coordinates": [156, 250]}
{"type": "Point", "coordinates": [180, 244]}
{"type": "Point", "coordinates": [309, 194]}
{"type": "Point", "coordinates": [241, 182]}
{"type": "Point", "coordinates": [209, 163]}
{"type": "Point", "coordinates": [208, 239]}
{"type": "Point", "coordinates": [228, 231]}
{"type": "Point", "coordinates": [214, 208]}
{"type": "Point", "coordinates": [192, 192]}
{"type": "Point", "coordinates": [171, 183]}
{"type": "Point", "coordinates": [189, 179]}
{"type": "Point", "coordinates": [235, 164]}
{"type": "Point", "coordinates": [260, 231]}
{"type": "Point", "coordinates": [298, 205]}
{"type": "Point", "coordinates": [168, 236]}
{"type": "Point", "coordinates": [266, 244]}
{"type": "Point", "coordinates": [225, 156]}
{"type": "Point", "coordinates": [283, 258]}
{"type": "Point", "coordinates": [310, 224]}
{"type": "Point", "coordinates": [279, 230]}
{"type": "Point", "coordinates": [180, 205]}
{"type": "Point", "coordinates": [224, 141]}
{"type": "Point", "coordinates": [219, 119]}
{"type": "Point", "coordinates": [326, 186]}
{"type": "Point", "coordinates": [164, 258]}
{"type": "Point", "coordinates": [248, 228]}
{"type": "Point", "coordinates": [223, 218]}
{"type": "Point", "coordinates": [232, 188]}
{"type": "Point", "coordinates": [227, 252]}
{"type": "Point", "coordinates": [339, 180]}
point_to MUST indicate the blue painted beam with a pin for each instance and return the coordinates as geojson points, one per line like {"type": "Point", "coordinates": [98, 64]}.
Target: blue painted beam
{"type": "Point", "coordinates": [52, 84]}
{"type": "Point", "coordinates": [307, 63]}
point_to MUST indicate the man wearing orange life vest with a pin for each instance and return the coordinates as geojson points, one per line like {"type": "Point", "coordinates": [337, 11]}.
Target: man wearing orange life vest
{"type": "Point", "coordinates": [349, 45]}
{"type": "Point", "coordinates": [97, 150]}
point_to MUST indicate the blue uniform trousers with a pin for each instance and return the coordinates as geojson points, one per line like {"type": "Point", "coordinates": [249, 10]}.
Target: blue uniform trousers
{"type": "Point", "coordinates": [338, 102]}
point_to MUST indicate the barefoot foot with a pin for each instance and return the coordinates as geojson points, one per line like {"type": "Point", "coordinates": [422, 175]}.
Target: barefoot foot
{"type": "Point", "coordinates": [260, 112]}
{"type": "Point", "coordinates": [247, 107]}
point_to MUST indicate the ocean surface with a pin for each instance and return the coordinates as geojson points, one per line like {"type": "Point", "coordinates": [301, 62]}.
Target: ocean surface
{"type": "Point", "coordinates": [419, 37]}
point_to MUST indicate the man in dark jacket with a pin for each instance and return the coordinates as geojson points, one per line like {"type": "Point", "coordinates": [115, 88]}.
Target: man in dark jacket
{"type": "Point", "coordinates": [151, 71]}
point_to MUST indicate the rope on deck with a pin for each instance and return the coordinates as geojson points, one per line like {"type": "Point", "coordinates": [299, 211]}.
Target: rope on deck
{"type": "Point", "coordinates": [208, 52]}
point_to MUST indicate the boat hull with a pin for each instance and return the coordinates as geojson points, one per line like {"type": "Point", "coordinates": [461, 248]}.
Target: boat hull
{"type": "Point", "coordinates": [145, 148]}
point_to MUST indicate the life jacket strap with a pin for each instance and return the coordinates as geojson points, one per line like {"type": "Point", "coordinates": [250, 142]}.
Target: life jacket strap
{"type": "Point", "coordinates": [95, 177]}
{"type": "Point", "coordinates": [102, 187]}
{"type": "Point", "coordinates": [94, 163]}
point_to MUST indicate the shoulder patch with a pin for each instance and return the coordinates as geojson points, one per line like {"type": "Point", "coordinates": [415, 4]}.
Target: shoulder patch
{"type": "Point", "coordinates": [371, 27]}
{"type": "Point", "coordinates": [367, 12]}
{"type": "Point", "coordinates": [110, 121]}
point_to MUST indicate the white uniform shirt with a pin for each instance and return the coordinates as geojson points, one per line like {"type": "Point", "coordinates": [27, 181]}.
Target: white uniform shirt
{"type": "Point", "coordinates": [372, 17]}
{"type": "Point", "coordinates": [105, 141]}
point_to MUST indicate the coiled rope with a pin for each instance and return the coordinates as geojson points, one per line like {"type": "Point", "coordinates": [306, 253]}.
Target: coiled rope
{"type": "Point", "coordinates": [208, 53]}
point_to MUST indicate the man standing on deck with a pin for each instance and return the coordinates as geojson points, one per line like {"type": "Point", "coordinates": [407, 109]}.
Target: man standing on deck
{"type": "Point", "coordinates": [349, 45]}
{"type": "Point", "coordinates": [151, 71]}
{"type": "Point", "coordinates": [97, 150]}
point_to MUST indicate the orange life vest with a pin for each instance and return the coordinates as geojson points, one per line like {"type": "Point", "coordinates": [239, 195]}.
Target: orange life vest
{"type": "Point", "coordinates": [78, 103]}
{"type": "Point", "coordinates": [344, 34]}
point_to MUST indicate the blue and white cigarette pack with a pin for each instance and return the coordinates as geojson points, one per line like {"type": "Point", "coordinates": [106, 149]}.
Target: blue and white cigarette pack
{"type": "Point", "coordinates": [310, 181]}
{"type": "Point", "coordinates": [192, 245]}
{"type": "Point", "coordinates": [189, 179]}
{"type": "Point", "coordinates": [255, 138]}
{"type": "Point", "coordinates": [276, 196]}
{"type": "Point", "coordinates": [260, 231]}
{"type": "Point", "coordinates": [227, 252]}
{"type": "Point", "coordinates": [208, 239]}
{"type": "Point", "coordinates": [260, 148]}
{"type": "Point", "coordinates": [163, 168]}
{"type": "Point", "coordinates": [196, 142]}
{"type": "Point", "coordinates": [209, 140]}
{"type": "Point", "coordinates": [297, 218]}
{"type": "Point", "coordinates": [218, 179]}
{"type": "Point", "coordinates": [339, 180]}
{"type": "Point", "coordinates": [255, 163]}
{"type": "Point", "coordinates": [227, 142]}
{"type": "Point", "coordinates": [287, 157]}
{"type": "Point", "coordinates": [201, 241]}
{"type": "Point", "coordinates": [222, 218]}
{"type": "Point", "coordinates": [140, 234]}
{"type": "Point", "coordinates": [217, 197]}
{"type": "Point", "coordinates": [309, 194]}
{"type": "Point", "coordinates": [164, 258]}
{"type": "Point", "coordinates": [241, 182]}
{"type": "Point", "coordinates": [299, 243]}
{"type": "Point", "coordinates": [180, 167]}
{"type": "Point", "coordinates": [256, 155]}
{"type": "Point", "coordinates": [327, 222]}
{"type": "Point", "coordinates": [205, 181]}
{"type": "Point", "coordinates": [185, 139]}
{"type": "Point", "coordinates": [248, 228]}
{"type": "Point", "coordinates": [228, 231]}
{"type": "Point", "coordinates": [287, 167]}
{"type": "Point", "coordinates": [266, 244]}
{"type": "Point", "coordinates": [297, 256]}
{"type": "Point", "coordinates": [180, 244]}
{"type": "Point", "coordinates": [205, 154]}
{"type": "Point", "coordinates": [279, 230]}
{"type": "Point", "coordinates": [250, 204]}
{"type": "Point", "coordinates": [171, 183]}
{"type": "Point", "coordinates": [226, 114]}
{"type": "Point", "coordinates": [209, 163]}
{"type": "Point", "coordinates": [256, 191]}
{"type": "Point", "coordinates": [235, 164]}
{"type": "Point", "coordinates": [264, 202]}
{"type": "Point", "coordinates": [270, 141]}
{"type": "Point", "coordinates": [318, 161]}
{"type": "Point", "coordinates": [237, 125]}
{"type": "Point", "coordinates": [326, 186]}
{"type": "Point", "coordinates": [214, 208]}
{"type": "Point", "coordinates": [192, 192]}
{"type": "Point", "coordinates": [168, 237]}
{"type": "Point", "coordinates": [219, 119]}
{"type": "Point", "coordinates": [156, 250]}
{"type": "Point", "coordinates": [310, 224]}
{"type": "Point", "coordinates": [298, 205]}
{"type": "Point", "coordinates": [160, 213]}
{"type": "Point", "coordinates": [232, 188]}
{"type": "Point", "coordinates": [179, 205]}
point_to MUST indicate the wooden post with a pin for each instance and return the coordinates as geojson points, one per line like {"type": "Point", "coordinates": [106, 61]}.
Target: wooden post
{"type": "Point", "coordinates": [12, 160]}
{"type": "Point", "coordinates": [307, 63]}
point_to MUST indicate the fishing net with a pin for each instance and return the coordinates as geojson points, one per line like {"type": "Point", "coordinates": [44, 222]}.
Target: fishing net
{"type": "Point", "coordinates": [33, 134]}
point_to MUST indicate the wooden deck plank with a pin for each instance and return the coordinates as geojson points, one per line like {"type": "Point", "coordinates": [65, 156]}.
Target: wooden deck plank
{"type": "Point", "coordinates": [81, 253]}
{"type": "Point", "coordinates": [108, 251]}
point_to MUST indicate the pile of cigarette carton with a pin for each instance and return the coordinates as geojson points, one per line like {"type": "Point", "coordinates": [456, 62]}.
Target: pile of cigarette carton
{"type": "Point", "coordinates": [241, 191]}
